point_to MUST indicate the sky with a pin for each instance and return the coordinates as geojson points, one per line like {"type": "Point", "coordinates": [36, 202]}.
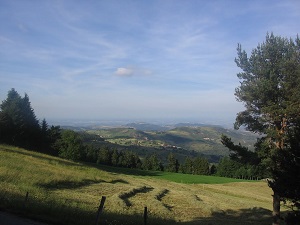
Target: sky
{"type": "Point", "coordinates": [134, 59]}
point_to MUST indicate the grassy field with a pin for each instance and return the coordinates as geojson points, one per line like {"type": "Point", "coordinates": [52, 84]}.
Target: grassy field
{"type": "Point", "coordinates": [65, 192]}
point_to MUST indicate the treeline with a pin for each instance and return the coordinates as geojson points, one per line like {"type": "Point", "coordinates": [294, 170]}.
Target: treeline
{"type": "Point", "coordinates": [241, 163]}
{"type": "Point", "coordinates": [228, 167]}
{"type": "Point", "coordinates": [71, 146]}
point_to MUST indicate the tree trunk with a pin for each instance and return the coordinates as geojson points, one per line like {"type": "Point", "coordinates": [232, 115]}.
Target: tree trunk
{"type": "Point", "coordinates": [276, 209]}
{"type": "Point", "coordinates": [281, 128]}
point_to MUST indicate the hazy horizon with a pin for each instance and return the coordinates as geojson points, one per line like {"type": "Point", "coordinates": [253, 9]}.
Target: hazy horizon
{"type": "Point", "coordinates": [102, 122]}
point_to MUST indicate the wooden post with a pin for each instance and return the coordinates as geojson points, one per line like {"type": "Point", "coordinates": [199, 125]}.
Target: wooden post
{"type": "Point", "coordinates": [25, 200]}
{"type": "Point", "coordinates": [100, 209]}
{"type": "Point", "coordinates": [145, 215]}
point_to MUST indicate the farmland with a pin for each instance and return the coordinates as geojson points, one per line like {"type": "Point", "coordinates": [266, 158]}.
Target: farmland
{"type": "Point", "coordinates": [67, 192]}
{"type": "Point", "coordinates": [182, 140]}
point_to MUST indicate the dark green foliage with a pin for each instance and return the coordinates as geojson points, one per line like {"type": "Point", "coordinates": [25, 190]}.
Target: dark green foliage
{"type": "Point", "coordinates": [18, 123]}
{"type": "Point", "coordinates": [70, 145]}
{"type": "Point", "coordinates": [152, 162]}
{"type": "Point", "coordinates": [248, 163]}
{"type": "Point", "coordinates": [240, 153]}
{"type": "Point", "coordinates": [115, 157]}
{"type": "Point", "coordinates": [268, 86]}
{"type": "Point", "coordinates": [110, 157]}
{"type": "Point", "coordinates": [212, 170]}
{"type": "Point", "coordinates": [198, 165]}
{"type": "Point", "coordinates": [173, 164]}
{"type": "Point", "coordinates": [270, 91]}
{"type": "Point", "coordinates": [201, 166]}
{"type": "Point", "coordinates": [286, 176]}
{"type": "Point", "coordinates": [188, 166]}
{"type": "Point", "coordinates": [53, 135]}
{"type": "Point", "coordinates": [131, 160]}
{"type": "Point", "coordinates": [91, 153]}
{"type": "Point", "coordinates": [104, 156]}
{"type": "Point", "coordinates": [90, 138]}
{"type": "Point", "coordinates": [228, 167]}
{"type": "Point", "coordinates": [20, 127]}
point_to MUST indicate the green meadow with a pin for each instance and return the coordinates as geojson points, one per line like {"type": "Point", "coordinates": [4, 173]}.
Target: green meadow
{"type": "Point", "coordinates": [175, 177]}
{"type": "Point", "coordinates": [66, 192]}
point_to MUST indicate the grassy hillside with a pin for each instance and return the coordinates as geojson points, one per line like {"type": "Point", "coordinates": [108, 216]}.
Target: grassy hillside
{"type": "Point", "coordinates": [66, 192]}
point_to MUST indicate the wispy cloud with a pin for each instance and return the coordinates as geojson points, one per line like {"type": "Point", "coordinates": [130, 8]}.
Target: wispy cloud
{"type": "Point", "coordinates": [131, 71]}
{"type": "Point", "coordinates": [124, 72]}
{"type": "Point", "coordinates": [167, 57]}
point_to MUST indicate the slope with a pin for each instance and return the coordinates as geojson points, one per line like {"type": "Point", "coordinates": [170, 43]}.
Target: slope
{"type": "Point", "coordinates": [65, 192]}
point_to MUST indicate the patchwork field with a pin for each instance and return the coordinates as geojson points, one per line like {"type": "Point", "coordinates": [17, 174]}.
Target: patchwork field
{"type": "Point", "coordinates": [65, 192]}
{"type": "Point", "coordinates": [182, 140]}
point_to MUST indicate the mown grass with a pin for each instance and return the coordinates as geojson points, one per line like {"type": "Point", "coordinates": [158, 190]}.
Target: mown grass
{"type": "Point", "coordinates": [65, 192]}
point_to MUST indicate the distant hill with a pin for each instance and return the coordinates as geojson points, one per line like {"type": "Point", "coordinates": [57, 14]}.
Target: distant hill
{"type": "Point", "coordinates": [182, 140]}
{"type": "Point", "coordinates": [207, 139]}
{"type": "Point", "coordinates": [147, 127]}
{"type": "Point", "coordinates": [154, 127]}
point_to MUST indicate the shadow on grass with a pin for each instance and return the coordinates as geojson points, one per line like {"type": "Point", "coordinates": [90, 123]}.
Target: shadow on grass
{"type": "Point", "coordinates": [118, 181]}
{"type": "Point", "coordinates": [126, 171]}
{"type": "Point", "coordinates": [59, 212]}
{"type": "Point", "coordinates": [69, 184]}
{"type": "Point", "coordinates": [259, 216]}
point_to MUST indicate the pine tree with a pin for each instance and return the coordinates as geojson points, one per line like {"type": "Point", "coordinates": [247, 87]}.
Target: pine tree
{"type": "Point", "coordinates": [201, 166]}
{"type": "Point", "coordinates": [115, 157]}
{"type": "Point", "coordinates": [19, 124]}
{"type": "Point", "coordinates": [188, 166]}
{"type": "Point", "coordinates": [173, 164]}
{"type": "Point", "coordinates": [104, 156]}
{"type": "Point", "coordinates": [269, 89]}
{"type": "Point", "coordinates": [70, 145]}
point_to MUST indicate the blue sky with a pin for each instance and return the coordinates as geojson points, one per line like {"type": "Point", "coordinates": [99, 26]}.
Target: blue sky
{"type": "Point", "coordinates": [137, 60]}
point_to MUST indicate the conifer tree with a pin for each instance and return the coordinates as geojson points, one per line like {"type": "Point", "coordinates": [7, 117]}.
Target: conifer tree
{"type": "Point", "coordinates": [201, 166]}
{"type": "Point", "coordinates": [19, 125]}
{"type": "Point", "coordinates": [269, 89]}
{"type": "Point", "coordinates": [70, 145]}
{"type": "Point", "coordinates": [173, 164]}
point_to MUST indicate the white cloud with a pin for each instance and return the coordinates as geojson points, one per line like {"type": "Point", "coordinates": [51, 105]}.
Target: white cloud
{"type": "Point", "coordinates": [132, 71]}
{"type": "Point", "coordinates": [121, 71]}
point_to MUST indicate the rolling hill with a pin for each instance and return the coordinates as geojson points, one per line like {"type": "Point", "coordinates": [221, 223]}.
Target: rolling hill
{"type": "Point", "coordinates": [182, 140]}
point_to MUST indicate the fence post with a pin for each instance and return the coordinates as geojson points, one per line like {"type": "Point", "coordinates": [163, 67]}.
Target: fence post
{"type": "Point", "coordinates": [25, 200]}
{"type": "Point", "coordinates": [100, 209]}
{"type": "Point", "coordinates": [145, 215]}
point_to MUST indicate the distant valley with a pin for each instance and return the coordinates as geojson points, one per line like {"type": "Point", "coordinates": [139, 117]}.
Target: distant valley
{"type": "Point", "coordinates": [184, 139]}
